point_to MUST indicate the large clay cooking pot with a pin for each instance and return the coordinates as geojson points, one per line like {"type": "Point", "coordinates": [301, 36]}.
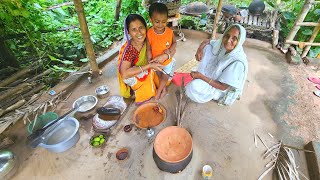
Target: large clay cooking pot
{"type": "Point", "coordinates": [172, 149]}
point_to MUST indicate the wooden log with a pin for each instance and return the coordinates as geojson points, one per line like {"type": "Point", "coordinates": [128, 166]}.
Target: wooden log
{"type": "Point", "coordinates": [86, 37]}
{"type": "Point", "coordinates": [15, 90]}
{"type": "Point", "coordinates": [23, 96]}
{"type": "Point", "coordinates": [216, 20]}
{"type": "Point", "coordinates": [312, 38]}
{"type": "Point", "coordinates": [308, 24]}
{"type": "Point", "coordinates": [46, 72]}
{"type": "Point", "coordinates": [19, 74]}
{"type": "Point", "coordinates": [13, 107]}
{"type": "Point", "coordinates": [302, 15]}
{"type": "Point", "coordinates": [117, 11]}
{"type": "Point", "coordinates": [275, 38]}
{"type": "Point", "coordinates": [305, 43]}
{"type": "Point", "coordinates": [259, 21]}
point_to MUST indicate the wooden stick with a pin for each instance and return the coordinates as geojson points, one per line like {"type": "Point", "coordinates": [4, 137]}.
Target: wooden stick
{"type": "Point", "coordinates": [305, 43]}
{"type": "Point", "coordinates": [302, 15]}
{"type": "Point", "coordinates": [308, 24]}
{"type": "Point", "coordinates": [312, 38]}
{"type": "Point", "coordinates": [13, 107]}
{"type": "Point", "coordinates": [15, 90]}
{"type": "Point", "coordinates": [216, 20]}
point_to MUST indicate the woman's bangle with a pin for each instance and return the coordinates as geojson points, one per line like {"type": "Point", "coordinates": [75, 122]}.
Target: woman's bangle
{"type": "Point", "coordinates": [168, 55]}
{"type": "Point", "coordinates": [141, 69]}
{"type": "Point", "coordinates": [209, 81]}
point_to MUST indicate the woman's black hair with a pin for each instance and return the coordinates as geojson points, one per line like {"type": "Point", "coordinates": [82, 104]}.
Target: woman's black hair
{"type": "Point", "coordinates": [132, 17]}
{"type": "Point", "coordinates": [159, 8]}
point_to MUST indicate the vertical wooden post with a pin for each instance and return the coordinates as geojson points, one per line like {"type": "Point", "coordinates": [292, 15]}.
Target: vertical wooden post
{"type": "Point", "coordinates": [86, 36]}
{"type": "Point", "coordinates": [117, 12]}
{"type": "Point", "coordinates": [313, 36]}
{"type": "Point", "coordinates": [208, 3]}
{"type": "Point", "coordinates": [303, 13]}
{"type": "Point", "coordinates": [216, 20]}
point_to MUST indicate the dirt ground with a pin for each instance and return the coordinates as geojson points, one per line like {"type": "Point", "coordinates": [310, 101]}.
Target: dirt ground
{"type": "Point", "coordinates": [277, 99]}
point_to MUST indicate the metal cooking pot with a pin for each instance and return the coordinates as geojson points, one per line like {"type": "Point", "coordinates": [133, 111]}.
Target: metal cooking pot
{"type": "Point", "coordinates": [63, 137]}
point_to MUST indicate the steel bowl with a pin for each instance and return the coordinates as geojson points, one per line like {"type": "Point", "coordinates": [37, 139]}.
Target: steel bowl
{"type": "Point", "coordinates": [102, 91]}
{"type": "Point", "coordinates": [7, 164]}
{"type": "Point", "coordinates": [62, 137]}
{"type": "Point", "coordinates": [85, 103]}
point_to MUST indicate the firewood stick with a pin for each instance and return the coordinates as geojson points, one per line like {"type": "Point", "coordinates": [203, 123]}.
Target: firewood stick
{"type": "Point", "coordinates": [13, 107]}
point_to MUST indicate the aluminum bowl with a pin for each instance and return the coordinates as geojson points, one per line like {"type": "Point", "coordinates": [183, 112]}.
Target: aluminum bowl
{"type": "Point", "coordinates": [102, 91]}
{"type": "Point", "coordinates": [62, 137]}
{"type": "Point", "coordinates": [86, 103]}
{"type": "Point", "coordinates": [8, 164]}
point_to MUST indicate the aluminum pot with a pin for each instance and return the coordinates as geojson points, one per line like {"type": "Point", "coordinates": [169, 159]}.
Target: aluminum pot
{"type": "Point", "coordinates": [63, 137]}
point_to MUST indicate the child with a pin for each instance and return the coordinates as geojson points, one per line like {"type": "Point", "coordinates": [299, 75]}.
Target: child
{"type": "Point", "coordinates": [161, 45]}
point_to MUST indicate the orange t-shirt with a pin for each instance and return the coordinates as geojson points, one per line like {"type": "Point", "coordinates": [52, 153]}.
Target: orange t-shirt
{"type": "Point", "coordinates": [160, 42]}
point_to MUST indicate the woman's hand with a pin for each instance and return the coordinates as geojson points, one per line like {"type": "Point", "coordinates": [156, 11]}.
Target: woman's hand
{"type": "Point", "coordinates": [159, 59]}
{"type": "Point", "coordinates": [196, 75]}
{"type": "Point", "coordinates": [199, 53]}
{"type": "Point", "coordinates": [156, 66]}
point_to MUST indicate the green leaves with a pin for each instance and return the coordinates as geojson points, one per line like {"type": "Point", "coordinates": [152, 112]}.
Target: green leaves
{"type": "Point", "coordinates": [307, 32]}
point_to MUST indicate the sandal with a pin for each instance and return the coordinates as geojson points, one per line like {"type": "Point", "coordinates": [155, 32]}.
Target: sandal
{"type": "Point", "coordinates": [317, 93]}
{"type": "Point", "coordinates": [314, 80]}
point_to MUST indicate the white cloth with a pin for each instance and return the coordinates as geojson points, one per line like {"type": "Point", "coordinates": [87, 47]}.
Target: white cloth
{"type": "Point", "coordinates": [230, 69]}
{"type": "Point", "coordinates": [169, 68]}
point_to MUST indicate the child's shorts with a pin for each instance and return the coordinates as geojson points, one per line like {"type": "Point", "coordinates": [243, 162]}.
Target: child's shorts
{"type": "Point", "coordinates": [169, 68]}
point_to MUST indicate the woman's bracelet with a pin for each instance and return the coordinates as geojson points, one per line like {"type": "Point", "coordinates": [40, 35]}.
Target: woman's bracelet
{"type": "Point", "coordinates": [141, 69]}
{"type": "Point", "coordinates": [168, 55]}
{"type": "Point", "coordinates": [209, 81]}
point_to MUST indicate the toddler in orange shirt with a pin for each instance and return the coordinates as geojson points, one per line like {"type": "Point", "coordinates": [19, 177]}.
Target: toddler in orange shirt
{"type": "Point", "coordinates": [161, 45]}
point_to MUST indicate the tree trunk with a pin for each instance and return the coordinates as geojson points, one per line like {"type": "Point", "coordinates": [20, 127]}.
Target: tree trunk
{"type": "Point", "coordinates": [216, 20]}
{"type": "Point", "coordinates": [117, 12]}
{"type": "Point", "coordinates": [7, 56]}
{"type": "Point", "coordinates": [86, 37]}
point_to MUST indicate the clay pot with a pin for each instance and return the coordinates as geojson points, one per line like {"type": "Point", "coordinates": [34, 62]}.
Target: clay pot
{"type": "Point", "coordinates": [149, 115]}
{"type": "Point", "coordinates": [256, 7]}
{"type": "Point", "coordinates": [172, 149]}
{"type": "Point", "coordinates": [122, 154]}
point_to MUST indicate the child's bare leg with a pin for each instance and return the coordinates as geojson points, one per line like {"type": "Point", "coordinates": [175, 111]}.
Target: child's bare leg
{"type": "Point", "coordinates": [162, 86]}
{"type": "Point", "coordinates": [160, 74]}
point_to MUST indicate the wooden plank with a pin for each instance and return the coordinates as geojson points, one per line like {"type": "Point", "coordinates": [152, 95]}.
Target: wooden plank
{"type": "Point", "coordinates": [259, 21]}
{"type": "Point", "coordinates": [250, 20]}
{"type": "Point", "coordinates": [255, 21]}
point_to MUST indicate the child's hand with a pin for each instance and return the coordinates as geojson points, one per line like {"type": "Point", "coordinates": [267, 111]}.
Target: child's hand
{"type": "Point", "coordinates": [156, 66]}
{"type": "Point", "coordinates": [159, 59]}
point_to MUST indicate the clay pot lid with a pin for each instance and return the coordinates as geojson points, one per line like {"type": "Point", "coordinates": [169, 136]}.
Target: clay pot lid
{"type": "Point", "coordinates": [149, 115]}
{"type": "Point", "coordinates": [173, 144]}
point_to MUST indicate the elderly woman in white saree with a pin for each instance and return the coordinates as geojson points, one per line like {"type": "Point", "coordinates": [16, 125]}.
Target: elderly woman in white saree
{"type": "Point", "coordinates": [223, 68]}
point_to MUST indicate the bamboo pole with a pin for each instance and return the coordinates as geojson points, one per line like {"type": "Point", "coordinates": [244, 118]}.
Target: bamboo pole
{"type": "Point", "coordinates": [86, 36]}
{"type": "Point", "coordinates": [305, 43]}
{"type": "Point", "coordinates": [216, 20]}
{"type": "Point", "coordinates": [303, 13]}
{"type": "Point", "coordinates": [208, 3]}
{"type": "Point", "coordinates": [308, 24]}
{"type": "Point", "coordinates": [117, 12]}
{"type": "Point", "coordinates": [312, 38]}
